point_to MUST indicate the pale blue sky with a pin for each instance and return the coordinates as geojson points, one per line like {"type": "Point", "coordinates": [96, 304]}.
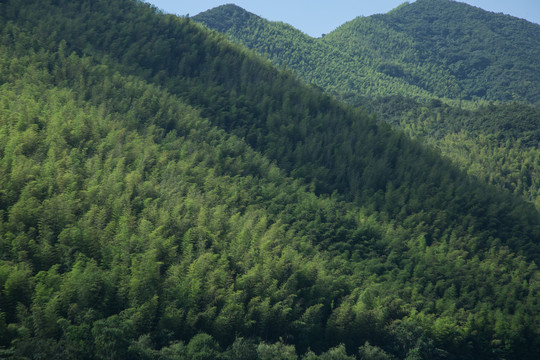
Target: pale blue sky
{"type": "Point", "coordinates": [315, 17]}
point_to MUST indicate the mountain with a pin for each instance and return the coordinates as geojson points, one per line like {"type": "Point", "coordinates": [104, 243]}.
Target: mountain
{"type": "Point", "coordinates": [394, 64]}
{"type": "Point", "coordinates": [434, 48]}
{"type": "Point", "coordinates": [316, 61]}
{"type": "Point", "coordinates": [451, 49]}
{"type": "Point", "coordinates": [165, 194]}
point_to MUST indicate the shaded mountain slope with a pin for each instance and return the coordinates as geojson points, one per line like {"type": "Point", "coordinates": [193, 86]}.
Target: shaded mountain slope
{"type": "Point", "coordinates": [447, 49]}
{"type": "Point", "coordinates": [497, 143]}
{"type": "Point", "coordinates": [165, 194]}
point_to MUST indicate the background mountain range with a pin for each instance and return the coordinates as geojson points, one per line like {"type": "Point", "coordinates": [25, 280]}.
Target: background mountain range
{"type": "Point", "coordinates": [461, 78]}
{"type": "Point", "coordinates": [167, 194]}
{"type": "Point", "coordinates": [322, 17]}
{"type": "Point", "coordinates": [438, 48]}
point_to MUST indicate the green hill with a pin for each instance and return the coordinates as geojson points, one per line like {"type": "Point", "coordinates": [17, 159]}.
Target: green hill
{"type": "Point", "coordinates": [317, 62]}
{"type": "Point", "coordinates": [451, 49]}
{"type": "Point", "coordinates": [420, 50]}
{"type": "Point", "coordinates": [429, 49]}
{"type": "Point", "coordinates": [434, 48]}
{"type": "Point", "coordinates": [165, 194]}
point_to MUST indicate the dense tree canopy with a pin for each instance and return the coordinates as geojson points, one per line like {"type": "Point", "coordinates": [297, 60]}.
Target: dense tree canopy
{"type": "Point", "coordinates": [401, 65]}
{"type": "Point", "coordinates": [429, 48]}
{"type": "Point", "coordinates": [165, 194]}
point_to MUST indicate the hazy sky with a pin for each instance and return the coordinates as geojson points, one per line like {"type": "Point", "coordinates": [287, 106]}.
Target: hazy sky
{"type": "Point", "coordinates": [316, 17]}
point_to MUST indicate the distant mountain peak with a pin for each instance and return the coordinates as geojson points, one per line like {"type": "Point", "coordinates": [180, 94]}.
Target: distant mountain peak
{"type": "Point", "coordinates": [449, 9]}
{"type": "Point", "coordinates": [223, 17]}
{"type": "Point", "coordinates": [227, 7]}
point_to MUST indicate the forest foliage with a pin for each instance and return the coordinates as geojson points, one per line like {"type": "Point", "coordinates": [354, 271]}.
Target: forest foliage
{"type": "Point", "coordinates": [165, 194]}
{"type": "Point", "coordinates": [429, 48]}
{"type": "Point", "coordinates": [406, 64]}
{"type": "Point", "coordinates": [451, 49]}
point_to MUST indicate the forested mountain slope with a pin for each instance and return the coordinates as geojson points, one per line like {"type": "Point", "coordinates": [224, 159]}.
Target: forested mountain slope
{"type": "Point", "coordinates": [167, 195]}
{"type": "Point", "coordinates": [318, 62]}
{"type": "Point", "coordinates": [497, 143]}
{"type": "Point", "coordinates": [419, 51]}
{"type": "Point", "coordinates": [451, 49]}
{"type": "Point", "coordinates": [439, 48]}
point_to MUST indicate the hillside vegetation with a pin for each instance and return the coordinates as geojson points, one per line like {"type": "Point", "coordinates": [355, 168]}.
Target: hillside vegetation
{"type": "Point", "coordinates": [401, 64]}
{"type": "Point", "coordinates": [496, 143]}
{"type": "Point", "coordinates": [165, 194]}
{"type": "Point", "coordinates": [320, 63]}
{"type": "Point", "coordinates": [451, 49]}
{"type": "Point", "coordinates": [430, 48]}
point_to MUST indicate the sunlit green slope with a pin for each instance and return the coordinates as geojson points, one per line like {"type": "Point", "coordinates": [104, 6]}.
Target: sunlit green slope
{"type": "Point", "coordinates": [167, 195]}
{"type": "Point", "coordinates": [449, 48]}
{"type": "Point", "coordinates": [320, 63]}
{"type": "Point", "coordinates": [433, 48]}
